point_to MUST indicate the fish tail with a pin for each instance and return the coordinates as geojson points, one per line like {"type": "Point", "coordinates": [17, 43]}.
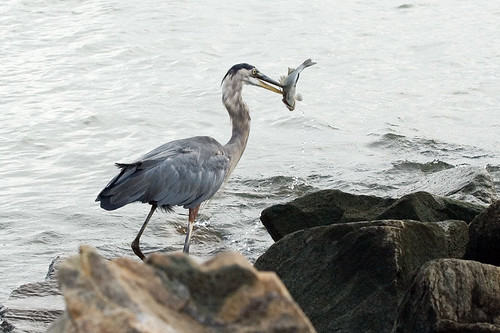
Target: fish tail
{"type": "Point", "coordinates": [308, 63]}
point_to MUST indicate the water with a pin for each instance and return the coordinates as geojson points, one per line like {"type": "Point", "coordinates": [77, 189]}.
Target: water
{"type": "Point", "coordinates": [401, 89]}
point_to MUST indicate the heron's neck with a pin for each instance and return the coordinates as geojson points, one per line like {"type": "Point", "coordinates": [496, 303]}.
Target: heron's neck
{"type": "Point", "coordinates": [240, 119]}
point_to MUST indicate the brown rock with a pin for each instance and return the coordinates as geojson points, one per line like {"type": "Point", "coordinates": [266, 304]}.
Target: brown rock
{"type": "Point", "coordinates": [172, 293]}
{"type": "Point", "coordinates": [452, 295]}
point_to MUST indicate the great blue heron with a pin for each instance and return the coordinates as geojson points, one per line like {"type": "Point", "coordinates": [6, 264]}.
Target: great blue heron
{"type": "Point", "coordinates": [189, 171]}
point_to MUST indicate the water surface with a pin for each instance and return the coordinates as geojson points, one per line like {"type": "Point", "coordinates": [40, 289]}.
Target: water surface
{"type": "Point", "coordinates": [401, 90]}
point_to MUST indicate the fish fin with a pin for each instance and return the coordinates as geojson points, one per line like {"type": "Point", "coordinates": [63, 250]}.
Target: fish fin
{"type": "Point", "coordinates": [298, 97]}
{"type": "Point", "coordinates": [290, 70]}
{"type": "Point", "coordinates": [282, 79]}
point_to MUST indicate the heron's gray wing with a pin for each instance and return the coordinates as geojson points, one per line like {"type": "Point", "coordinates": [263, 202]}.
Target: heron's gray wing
{"type": "Point", "coordinates": [189, 179]}
{"type": "Point", "coordinates": [183, 172]}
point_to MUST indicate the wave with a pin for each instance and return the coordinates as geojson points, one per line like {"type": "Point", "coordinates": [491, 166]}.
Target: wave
{"type": "Point", "coordinates": [427, 147]}
{"type": "Point", "coordinates": [425, 167]}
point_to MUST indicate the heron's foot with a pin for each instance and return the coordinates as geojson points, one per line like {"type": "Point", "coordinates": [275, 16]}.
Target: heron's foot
{"type": "Point", "coordinates": [137, 250]}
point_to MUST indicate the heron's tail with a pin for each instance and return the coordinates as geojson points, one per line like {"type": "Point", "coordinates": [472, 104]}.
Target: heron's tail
{"type": "Point", "coordinates": [123, 189]}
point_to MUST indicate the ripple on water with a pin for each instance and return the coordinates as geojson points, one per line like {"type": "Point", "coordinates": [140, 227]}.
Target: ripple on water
{"type": "Point", "coordinates": [430, 148]}
{"type": "Point", "coordinates": [426, 167]}
{"type": "Point", "coordinates": [85, 84]}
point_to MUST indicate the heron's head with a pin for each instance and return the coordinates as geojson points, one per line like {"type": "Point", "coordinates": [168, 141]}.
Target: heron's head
{"type": "Point", "coordinates": [248, 74]}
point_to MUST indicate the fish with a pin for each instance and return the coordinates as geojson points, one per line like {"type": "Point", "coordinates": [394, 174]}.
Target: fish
{"type": "Point", "coordinates": [289, 83]}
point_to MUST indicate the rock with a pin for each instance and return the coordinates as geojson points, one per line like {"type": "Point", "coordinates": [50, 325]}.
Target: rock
{"type": "Point", "coordinates": [426, 207]}
{"type": "Point", "coordinates": [321, 208]}
{"type": "Point", "coordinates": [451, 295]}
{"type": "Point", "coordinates": [33, 307]}
{"type": "Point", "coordinates": [333, 206]}
{"type": "Point", "coordinates": [464, 183]}
{"type": "Point", "coordinates": [457, 237]}
{"type": "Point", "coordinates": [484, 243]}
{"type": "Point", "coordinates": [172, 293]}
{"type": "Point", "coordinates": [350, 277]}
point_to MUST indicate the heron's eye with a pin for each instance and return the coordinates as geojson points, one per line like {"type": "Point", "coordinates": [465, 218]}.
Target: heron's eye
{"type": "Point", "coordinates": [254, 71]}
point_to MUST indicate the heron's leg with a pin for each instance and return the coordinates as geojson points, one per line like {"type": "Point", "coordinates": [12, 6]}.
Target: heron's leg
{"type": "Point", "coordinates": [192, 216]}
{"type": "Point", "coordinates": [135, 243]}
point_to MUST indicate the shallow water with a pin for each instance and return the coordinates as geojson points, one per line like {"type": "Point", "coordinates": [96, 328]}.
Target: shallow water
{"type": "Point", "coordinates": [401, 90]}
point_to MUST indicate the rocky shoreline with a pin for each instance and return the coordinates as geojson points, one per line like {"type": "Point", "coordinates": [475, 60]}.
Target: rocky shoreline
{"type": "Point", "coordinates": [393, 275]}
{"type": "Point", "coordinates": [346, 263]}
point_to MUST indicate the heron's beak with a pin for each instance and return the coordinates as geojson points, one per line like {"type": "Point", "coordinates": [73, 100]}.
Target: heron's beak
{"type": "Point", "coordinates": [261, 82]}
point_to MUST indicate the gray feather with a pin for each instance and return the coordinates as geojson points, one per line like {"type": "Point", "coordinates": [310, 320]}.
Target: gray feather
{"type": "Point", "coordinates": [183, 172]}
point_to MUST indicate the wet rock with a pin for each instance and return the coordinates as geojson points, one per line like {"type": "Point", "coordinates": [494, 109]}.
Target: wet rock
{"type": "Point", "coordinates": [33, 307]}
{"type": "Point", "coordinates": [451, 295]}
{"type": "Point", "coordinates": [426, 207]}
{"type": "Point", "coordinates": [321, 208]}
{"type": "Point", "coordinates": [464, 183]}
{"type": "Point", "coordinates": [172, 293]}
{"type": "Point", "coordinates": [333, 206]}
{"type": "Point", "coordinates": [484, 243]}
{"type": "Point", "coordinates": [350, 277]}
{"type": "Point", "coordinates": [457, 237]}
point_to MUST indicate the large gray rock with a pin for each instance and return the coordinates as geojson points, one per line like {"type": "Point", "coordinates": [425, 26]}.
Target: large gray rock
{"type": "Point", "coordinates": [451, 295]}
{"type": "Point", "coordinates": [350, 277]}
{"type": "Point", "coordinates": [321, 208]}
{"type": "Point", "coordinates": [172, 293]}
{"type": "Point", "coordinates": [333, 206]}
{"type": "Point", "coordinates": [457, 237]}
{"type": "Point", "coordinates": [484, 243]}
{"type": "Point", "coordinates": [426, 207]}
